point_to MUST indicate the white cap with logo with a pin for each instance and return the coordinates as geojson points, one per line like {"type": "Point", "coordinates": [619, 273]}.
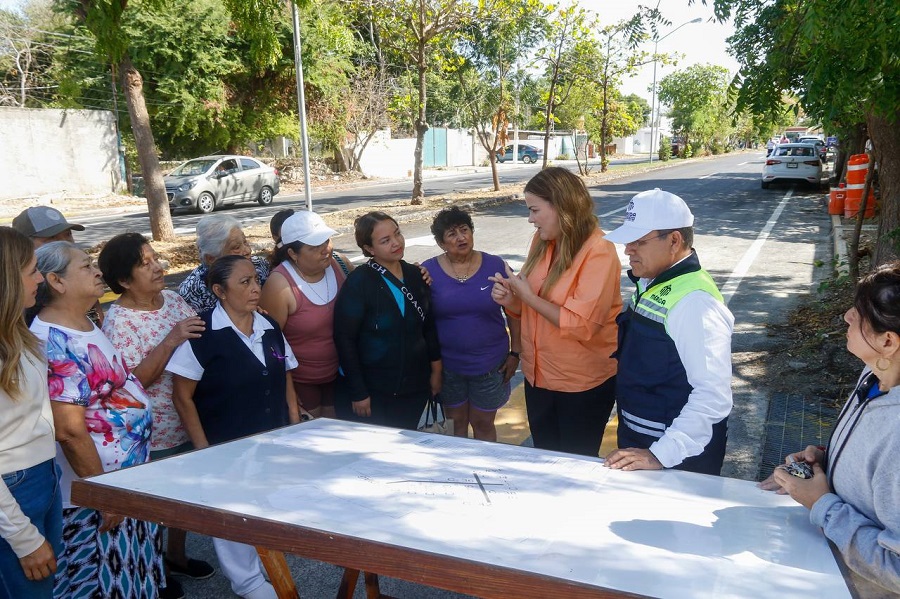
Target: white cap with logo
{"type": "Point", "coordinates": [651, 210]}
{"type": "Point", "coordinates": [306, 227]}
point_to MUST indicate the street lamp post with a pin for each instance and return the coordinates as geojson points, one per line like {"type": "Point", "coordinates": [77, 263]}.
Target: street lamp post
{"type": "Point", "coordinates": [656, 41]}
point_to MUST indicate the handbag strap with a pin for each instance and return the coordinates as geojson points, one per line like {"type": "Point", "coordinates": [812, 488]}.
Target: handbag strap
{"type": "Point", "coordinates": [404, 290]}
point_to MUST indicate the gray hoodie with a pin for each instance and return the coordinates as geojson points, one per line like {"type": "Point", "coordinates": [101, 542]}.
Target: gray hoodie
{"type": "Point", "coordinates": [861, 515]}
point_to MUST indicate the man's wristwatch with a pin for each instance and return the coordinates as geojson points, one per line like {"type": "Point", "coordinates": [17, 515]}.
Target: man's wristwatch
{"type": "Point", "coordinates": [514, 354]}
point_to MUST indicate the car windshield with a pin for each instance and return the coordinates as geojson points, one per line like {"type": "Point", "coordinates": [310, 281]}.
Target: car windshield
{"type": "Point", "coordinates": [192, 167]}
{"type": "Point", "coordinates": [794, 151]}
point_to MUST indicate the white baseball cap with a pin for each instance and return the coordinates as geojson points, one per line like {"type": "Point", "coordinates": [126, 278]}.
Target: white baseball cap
{"type": "Point", "coordinates": [306, 227]}
{"type": "Point", "coordinates": [651, 210]}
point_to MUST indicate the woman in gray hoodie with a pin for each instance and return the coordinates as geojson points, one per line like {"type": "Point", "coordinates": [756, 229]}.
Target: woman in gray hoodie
{"type": "Point", "coordinates": [854, 491]}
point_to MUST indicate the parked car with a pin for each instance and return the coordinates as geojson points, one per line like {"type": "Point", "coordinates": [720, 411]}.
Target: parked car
{"type": "Point", "coordinates": [793, 162]}
{"type": "Point", "coordinates": [527, 154]}
{"type": "Point", "coordinates": [203, 184]}
{"type": "Point", "coordinates": [821, 148]}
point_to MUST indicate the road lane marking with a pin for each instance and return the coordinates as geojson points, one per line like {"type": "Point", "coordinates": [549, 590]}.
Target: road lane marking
{"type": "Point", "coordinates": [611, 212]}
{"type": "Point", "coordinates": [709, 175]}
{"type": "Point", "coordinates": [749, 257]}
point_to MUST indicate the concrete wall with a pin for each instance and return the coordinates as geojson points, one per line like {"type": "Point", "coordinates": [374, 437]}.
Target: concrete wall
{"type": "Point", "coordinates": [57, 153]}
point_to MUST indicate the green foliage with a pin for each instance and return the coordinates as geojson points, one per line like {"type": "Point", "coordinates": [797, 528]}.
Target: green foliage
{"type": "Point", "coordinates": [665, 149]}
{"type": "Point", "coordinates": [699, 103]}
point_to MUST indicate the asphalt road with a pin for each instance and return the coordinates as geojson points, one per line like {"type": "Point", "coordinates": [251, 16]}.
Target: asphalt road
{"type": "Point", "coordinates": [761, 246]}
{"type": "Point", "coordinates": [101, 227]}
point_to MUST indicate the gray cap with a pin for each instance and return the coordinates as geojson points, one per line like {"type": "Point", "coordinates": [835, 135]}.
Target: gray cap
{"type": "Point", "coordinates": [43, 221]}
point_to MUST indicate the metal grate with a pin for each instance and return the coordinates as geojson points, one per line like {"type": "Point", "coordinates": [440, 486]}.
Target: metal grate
{"type": "Point", "coordinates": [793, 422]}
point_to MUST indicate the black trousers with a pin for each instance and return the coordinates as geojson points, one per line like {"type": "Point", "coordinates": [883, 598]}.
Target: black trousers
{"type": "Point", "coordinates": [570, 422]}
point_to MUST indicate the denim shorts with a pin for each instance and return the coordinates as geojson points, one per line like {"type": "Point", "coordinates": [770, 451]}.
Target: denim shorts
{"type": "Point", "coordinates": [485, 392]}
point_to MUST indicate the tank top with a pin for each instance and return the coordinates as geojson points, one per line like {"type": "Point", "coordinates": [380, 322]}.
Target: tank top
{"type": "Point", "coordinates": [310, 332]}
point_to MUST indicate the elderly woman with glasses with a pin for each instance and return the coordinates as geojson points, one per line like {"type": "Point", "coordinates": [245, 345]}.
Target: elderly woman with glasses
{"type": "Point", "coordinates": [103, 422]}
{"type": "Point", "coordinates": [217, 235]}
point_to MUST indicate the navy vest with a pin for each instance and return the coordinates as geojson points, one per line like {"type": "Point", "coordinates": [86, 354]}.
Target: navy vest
{"type": "Point", "coordinates": [237, 395]}
{"type": "Point", "coordinates": [651, 384]}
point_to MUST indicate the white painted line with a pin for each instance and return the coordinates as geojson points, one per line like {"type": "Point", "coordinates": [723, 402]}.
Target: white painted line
{"type": "Point", "coordinates": [359, 258]}
{"type": "Point", "coordinates": [749, 257]}
{"type": "Point", "coordinates": [748, 162]}
{"type": "Point", "coordinates": [708, 176]}
{"type": "Point", "coordinates": [611, 212]}
{"type": "Point", "coordinates": [424, 240]}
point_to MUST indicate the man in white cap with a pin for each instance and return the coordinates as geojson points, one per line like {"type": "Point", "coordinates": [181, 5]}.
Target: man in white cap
{"type": "Point", "coordinates": [673, 387]}
{"type": "Point", "coordinates": [44, 224]}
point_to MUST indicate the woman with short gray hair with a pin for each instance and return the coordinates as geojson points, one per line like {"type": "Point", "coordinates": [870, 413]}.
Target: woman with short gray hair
{"type": "Point", "coordinates": [217, 235]}
{"type": "Point", "coordinates": [102, 418]}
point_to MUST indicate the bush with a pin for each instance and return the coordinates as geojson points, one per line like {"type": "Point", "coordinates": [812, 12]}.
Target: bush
{"type": "Point", "coordinates": [665, 149]}
{"type": "Point", "coordinates": [686, 151]}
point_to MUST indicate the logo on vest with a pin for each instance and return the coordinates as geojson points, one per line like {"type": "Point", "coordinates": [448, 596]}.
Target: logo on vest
{"type": "Point", "coordinates": [662, 293]}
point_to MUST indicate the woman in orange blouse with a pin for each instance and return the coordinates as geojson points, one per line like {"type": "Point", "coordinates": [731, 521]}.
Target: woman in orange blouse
{"type": "Point", "coordinates": [567, 296]}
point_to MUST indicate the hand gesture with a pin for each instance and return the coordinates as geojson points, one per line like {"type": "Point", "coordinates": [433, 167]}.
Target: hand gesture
{"type": "Point", "coordinates": [40, 563]}
{"type": "Point", "coordinates": [508, 368]}
{"type": "Point", "coordinates": [189, 328]}
{"type": "Point", "coordinates": [807, 491]}
{"type": "Point", "coordinates": [109, 521]}
{"type": "Point", "coordinates": [363, 407]}
{"type": "Point", "coordinates": [633, 458]}
{"type": "Point", "coordinates": [811, 455]}
{"type": "Point", "coordinates": [426, 276]}
{"type": "Point", "coordinates": [509, 290]}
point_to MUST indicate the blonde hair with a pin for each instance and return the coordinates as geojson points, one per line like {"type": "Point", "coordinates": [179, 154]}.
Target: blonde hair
{"type": "Point", "coordinates": [16, 252]}
{"type": "Point", "coordinates": [575, 210]}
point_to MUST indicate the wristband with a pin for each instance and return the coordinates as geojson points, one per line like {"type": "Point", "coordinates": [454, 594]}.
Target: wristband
{"type": "Point", "coordinates": [514, 354]}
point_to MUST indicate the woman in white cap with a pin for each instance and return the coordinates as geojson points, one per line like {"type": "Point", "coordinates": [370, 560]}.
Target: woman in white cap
{"type": "Point", "coordinates": [300, 295]}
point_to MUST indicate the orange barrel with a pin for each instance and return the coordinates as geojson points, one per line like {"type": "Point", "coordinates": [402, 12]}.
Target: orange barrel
{"type": "Point", "coordinates": [856, 169]}
{"type": "Point", "coordinates": [836, 200]}
{"type": "Point", "coordinates": [854, 199]}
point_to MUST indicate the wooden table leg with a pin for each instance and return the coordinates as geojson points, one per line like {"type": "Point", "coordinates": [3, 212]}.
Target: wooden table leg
{"type": "Point", "coordinates": [373, 590]}
{"type": "Point", "coordinates": [348, 583]}
{"type": "Point", "coordinates": [279, 573]}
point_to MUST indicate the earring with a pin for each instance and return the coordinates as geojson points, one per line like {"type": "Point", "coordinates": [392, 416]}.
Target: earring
{"type": "Point", "coordinates": [879, 366]}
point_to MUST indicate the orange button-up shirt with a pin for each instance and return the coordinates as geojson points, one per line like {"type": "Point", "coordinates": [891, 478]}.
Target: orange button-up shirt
{"type": "Point", "coordinates": [576, 355]}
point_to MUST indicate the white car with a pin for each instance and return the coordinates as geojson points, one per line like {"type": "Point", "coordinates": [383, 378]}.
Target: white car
{"type": "Point", "coordinates": [793, 162]}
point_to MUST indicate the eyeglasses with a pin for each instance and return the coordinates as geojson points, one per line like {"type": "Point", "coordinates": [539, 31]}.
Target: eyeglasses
{"type": "Point", "coordinates": [642, 242]}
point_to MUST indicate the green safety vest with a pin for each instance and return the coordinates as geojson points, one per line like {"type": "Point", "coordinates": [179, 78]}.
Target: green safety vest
{"type": "Point", "coordinates": [656, 302]}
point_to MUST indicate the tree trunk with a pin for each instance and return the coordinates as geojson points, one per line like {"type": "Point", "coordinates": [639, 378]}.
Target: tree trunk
{"type": "Point", "coordinates": [855, 143]}
{"type": "Point", "coordinates": [421, 127]}
{"type": "Point", "coordinates": [548, 123]}
{"type": "Point", "coordinates": [154, 187]}
{"type": "Point", "coordinates": [885, 134]}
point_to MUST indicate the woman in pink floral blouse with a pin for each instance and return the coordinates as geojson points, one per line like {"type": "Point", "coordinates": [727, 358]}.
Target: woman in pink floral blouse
{"type": "Point", "coordinates": [145, 325]}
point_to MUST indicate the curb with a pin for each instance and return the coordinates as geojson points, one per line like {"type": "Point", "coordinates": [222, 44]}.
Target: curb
{"type": "Point", "coordinates": [842, 262]}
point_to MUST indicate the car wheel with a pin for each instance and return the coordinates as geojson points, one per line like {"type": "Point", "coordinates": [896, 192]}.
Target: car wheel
{"type": "Point", "coordinates": [265, 196]}
{"type": "Point", "coordinates": [764, 184]}
{"type": "Point", "coordinates": [206, 203]}
{"type": "Point", "coordinates": [527, 159]}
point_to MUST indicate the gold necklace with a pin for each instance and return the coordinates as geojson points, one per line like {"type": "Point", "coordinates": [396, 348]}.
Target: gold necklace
{"type": "Point", "coordinates": [463, 278]}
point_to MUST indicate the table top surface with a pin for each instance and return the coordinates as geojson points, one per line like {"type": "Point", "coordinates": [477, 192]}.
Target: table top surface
{"type": "Point", "coordinates": [656, 533]}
